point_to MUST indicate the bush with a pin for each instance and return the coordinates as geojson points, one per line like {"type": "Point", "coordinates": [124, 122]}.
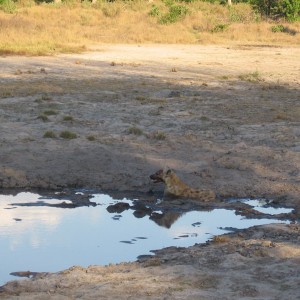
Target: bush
{"type": "Point", "coordinates": [8, 6]}
{"type": "Point", "coordinates": [176, 12]}
{"type": "Point", "coordinates": [154, 12]}
{"type": "Point", "coordinates": [284, 29]}
{"type": "Point", "coordinates": [289, 9]}
{"type": "Point", "coordinates": [278, 28]}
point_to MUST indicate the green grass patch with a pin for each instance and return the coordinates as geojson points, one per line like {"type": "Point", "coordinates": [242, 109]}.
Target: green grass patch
{"type": "Point", "coordinates": [68, 118]}
{"type": "Point", "coordinates": [135, 130]}
{"type": "Point", "coordinates": [49, 134]}
{"type": "Point", "coordinates": [8, 6]}
{"type": "Point", "coordinates": [284, 29]}
{"type": "Point", "coordinates": [168, 12]}
{"type": "Point", "coordinates": [50, 112]}
{"type": "Point", "coordinates": [220, 28]}
{"type": "Point", "coordinates": [176, 13]}
{"type": "Point", "coordinates": [68, 135]}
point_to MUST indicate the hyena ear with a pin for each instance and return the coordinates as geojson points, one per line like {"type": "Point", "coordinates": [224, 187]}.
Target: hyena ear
{"type": "Point", "coordinates": [165, 169]}
{"type": "Point", "coordinates": [169, 172]}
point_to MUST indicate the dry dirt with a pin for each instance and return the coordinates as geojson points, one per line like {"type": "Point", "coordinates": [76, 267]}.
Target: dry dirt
{"type": "Point", "coordinates": [225, 118]}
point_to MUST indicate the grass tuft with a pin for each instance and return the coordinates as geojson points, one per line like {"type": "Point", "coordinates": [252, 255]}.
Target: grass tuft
{"type": "Point", "coordinates": [68, 118]}
{"type": "Point", "coordinates": [49, 134]}
{"type": "Point", "coordinates": [251, 77]}
{"type": "Point", "coordinates": [50, 112]}
{"type": "Point", "coordinates": [135, 130]}
{"type": "Point", "coordinates": [68, 135]}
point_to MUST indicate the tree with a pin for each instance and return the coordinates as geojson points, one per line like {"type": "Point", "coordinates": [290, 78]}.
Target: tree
{"type": "Point", "coordinates": [289, 9]}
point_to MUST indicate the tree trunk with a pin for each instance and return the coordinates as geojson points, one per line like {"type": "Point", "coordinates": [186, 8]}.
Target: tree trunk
{"type": "Point", "coordinates": [229, 2]}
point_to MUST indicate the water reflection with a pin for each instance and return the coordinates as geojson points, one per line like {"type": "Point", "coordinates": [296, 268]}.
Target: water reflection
{"type": "Point", "coordinates": [43, 238]}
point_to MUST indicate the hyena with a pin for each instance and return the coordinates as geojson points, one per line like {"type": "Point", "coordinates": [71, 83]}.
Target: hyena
{"type": "Point", "coordinates": [177, 188]}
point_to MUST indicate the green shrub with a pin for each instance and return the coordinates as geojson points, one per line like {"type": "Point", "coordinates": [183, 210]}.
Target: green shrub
{"type": "Point", "coordinates": [176, 13]}
{"type": "Point", "coordinates": [284, 29]}
{"type": "Point", "coordinates": [278, 28]}
{"type": "Point", "coordinates": [8, 6]}
{"type": "Point", "coordinates": [289, 9]}
{"type": "Point", "coordinates": [155, 11]}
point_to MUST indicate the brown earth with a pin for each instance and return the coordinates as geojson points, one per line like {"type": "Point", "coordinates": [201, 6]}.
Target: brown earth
{"type": "Point", "coordinates": [259, 263]}
{"type": "Point", "coordinates": [225, 118]}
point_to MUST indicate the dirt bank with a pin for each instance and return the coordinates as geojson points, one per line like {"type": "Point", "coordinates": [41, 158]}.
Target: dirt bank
{"type": "Point", "coordinates": [258, 263]}
{"type": "Point", "coordinates": [225, 118]}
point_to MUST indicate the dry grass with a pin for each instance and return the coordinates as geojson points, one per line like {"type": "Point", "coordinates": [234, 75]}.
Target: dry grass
{"type": "Point", "coordinates": [71, 27]}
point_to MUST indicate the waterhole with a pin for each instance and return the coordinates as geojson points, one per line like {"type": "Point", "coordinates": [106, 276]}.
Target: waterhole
{"type": "Point", "coordinates": [37, 236]}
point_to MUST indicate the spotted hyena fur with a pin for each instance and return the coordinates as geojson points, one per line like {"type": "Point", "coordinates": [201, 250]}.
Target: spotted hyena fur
{"type": "Point", "coordinates": [175, 187]}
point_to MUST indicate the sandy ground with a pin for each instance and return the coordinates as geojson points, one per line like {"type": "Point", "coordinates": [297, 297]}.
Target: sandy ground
{"type": "Point", "coordinates": [225, 118]}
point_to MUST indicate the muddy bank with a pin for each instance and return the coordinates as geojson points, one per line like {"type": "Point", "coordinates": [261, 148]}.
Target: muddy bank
{"type": "Point", "coordinates": [133, 110]}
{"type": "Point", "coordinates": [257, 263]}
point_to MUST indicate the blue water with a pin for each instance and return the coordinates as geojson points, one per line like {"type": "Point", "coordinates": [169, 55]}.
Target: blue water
{"type": "Point", "coordinates": [50, 239]}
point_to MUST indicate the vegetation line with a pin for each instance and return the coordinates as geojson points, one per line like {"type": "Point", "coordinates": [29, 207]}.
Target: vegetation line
{"type": "Point", "coordinates": [39, 28]}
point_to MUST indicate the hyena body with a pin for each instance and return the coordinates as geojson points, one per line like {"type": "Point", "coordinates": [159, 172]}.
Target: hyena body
{"type": "Point", "coordinates": [177, 188]}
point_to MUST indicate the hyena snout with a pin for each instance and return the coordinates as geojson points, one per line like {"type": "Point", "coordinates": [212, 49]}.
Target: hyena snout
{"type": "Point", "coordinates": [157, 177]}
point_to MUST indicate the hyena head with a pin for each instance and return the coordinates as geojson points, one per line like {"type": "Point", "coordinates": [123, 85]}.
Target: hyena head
{"type": "Point", "coordinates": [161, 175]}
